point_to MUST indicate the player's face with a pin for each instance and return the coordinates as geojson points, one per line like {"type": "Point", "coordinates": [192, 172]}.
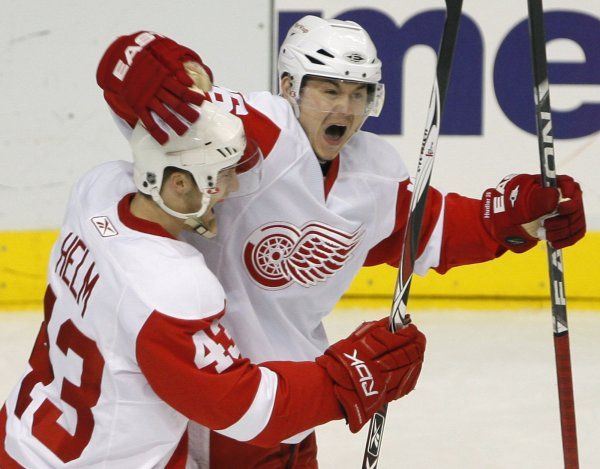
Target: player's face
{"type": "Point", "coordinates": [331, 111]}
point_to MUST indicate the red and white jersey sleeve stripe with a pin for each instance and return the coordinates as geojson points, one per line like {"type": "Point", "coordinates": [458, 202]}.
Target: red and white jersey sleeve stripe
{"type": "Point", "coordinates": [195, 367]}
{"type": "Point", "coordinates": [451, 234]}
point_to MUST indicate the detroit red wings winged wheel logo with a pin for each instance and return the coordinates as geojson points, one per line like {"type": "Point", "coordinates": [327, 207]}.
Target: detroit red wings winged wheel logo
{"type": "Point", "coordinates": [279, 254]}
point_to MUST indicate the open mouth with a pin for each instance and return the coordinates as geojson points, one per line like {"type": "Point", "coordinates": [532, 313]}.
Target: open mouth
{"type": "Point", "coordinates": [334, 133]}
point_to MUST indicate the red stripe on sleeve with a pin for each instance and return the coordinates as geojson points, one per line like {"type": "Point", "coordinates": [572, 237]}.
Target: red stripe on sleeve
{"type": "Point", "coordinates": [260, 129]}
{"type": "Point", "coordinates": [189, 365]}
{"type": "Point", "coordinates": [305, 399]}
{"type": "Point", "coordinates": [389, 250]}
{"type": "Point", "coordinates": [193, 366]}
{"type": "Point", "coordinates": [464, 239]}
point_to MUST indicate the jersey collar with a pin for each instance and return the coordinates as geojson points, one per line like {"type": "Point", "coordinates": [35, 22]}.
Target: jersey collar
{"type": "Point", "coordinates": [331, 176]}
{"type": "Point", "coordinates": [139, 224]}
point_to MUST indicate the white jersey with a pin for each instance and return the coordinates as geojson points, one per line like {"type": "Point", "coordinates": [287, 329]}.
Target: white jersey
{"type": "Point", "coordinates": [132, 347]}
{"type": "Point", "coordinates": [287, 253]}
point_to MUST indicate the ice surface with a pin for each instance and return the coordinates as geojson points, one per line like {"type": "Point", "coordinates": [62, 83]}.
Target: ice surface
{"type": "Point", "coordinates": [487, 396]}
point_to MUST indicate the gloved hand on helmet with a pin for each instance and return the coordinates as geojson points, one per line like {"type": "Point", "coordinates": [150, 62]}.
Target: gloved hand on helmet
{"type": "Point", "coordinates": [145, 76]}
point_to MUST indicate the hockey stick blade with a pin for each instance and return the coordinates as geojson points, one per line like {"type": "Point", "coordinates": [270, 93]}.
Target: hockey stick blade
{"type": "Point", "coordinates": [398, 316]}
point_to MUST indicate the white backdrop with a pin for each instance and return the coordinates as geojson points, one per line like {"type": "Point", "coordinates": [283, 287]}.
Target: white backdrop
{"type": "Point", "coordinates": [54, 124]}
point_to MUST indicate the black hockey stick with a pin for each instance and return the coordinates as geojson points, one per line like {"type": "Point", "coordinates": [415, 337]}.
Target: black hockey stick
{"type": "Point", "coordinates": [398, 317]}
{"type": "Point", "coordinates": [555, 259]}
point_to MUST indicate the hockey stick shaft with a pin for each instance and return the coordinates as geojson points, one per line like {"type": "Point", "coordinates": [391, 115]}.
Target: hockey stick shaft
{"type": "Point", "coordinates": [398, 316]}
{"type": "Point", "coordinates": [555, 258]}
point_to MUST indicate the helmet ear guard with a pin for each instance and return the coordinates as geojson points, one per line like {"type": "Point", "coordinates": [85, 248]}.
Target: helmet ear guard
{"type": "Point", "coordinates": [213, 143]}
{"type": "Point", "coordinates": [340, 50]}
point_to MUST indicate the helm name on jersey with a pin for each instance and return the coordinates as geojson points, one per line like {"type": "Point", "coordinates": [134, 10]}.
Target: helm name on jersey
{"type": "Point", "coordinates": [75, 267]}
{"type": "Point", "coordinates": [279, 254]}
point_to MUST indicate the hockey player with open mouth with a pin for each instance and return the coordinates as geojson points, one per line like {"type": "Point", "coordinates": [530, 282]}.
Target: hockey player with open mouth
{"type": "Point", "coordinates": [332, 199]}
{"type": "Point", "coordinates": [133, 344]}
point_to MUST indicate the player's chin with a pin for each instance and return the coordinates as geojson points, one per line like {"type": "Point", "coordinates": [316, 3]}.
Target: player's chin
{"type": "Point", "coordinates": [328, 148]}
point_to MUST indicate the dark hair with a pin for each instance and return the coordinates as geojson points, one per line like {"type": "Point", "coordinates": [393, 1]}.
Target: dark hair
{"type": "Point", "coordinates": [169, 170]}
{"type": "Point", "coordinates": [167, 173]}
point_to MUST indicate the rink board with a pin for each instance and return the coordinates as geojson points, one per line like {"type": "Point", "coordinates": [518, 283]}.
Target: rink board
{"type": "Point", "coordinates": [512, 281]}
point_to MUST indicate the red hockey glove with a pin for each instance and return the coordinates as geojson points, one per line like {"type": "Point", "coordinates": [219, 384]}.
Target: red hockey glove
{"type": "Point", "coordinates": [373, 366]}
{"type": "Point", "coordinates": [513, 212]}
{"type": "Point", "coordinates": [568, 226]}
{"type": "Point", "coordinates": [145, 72]}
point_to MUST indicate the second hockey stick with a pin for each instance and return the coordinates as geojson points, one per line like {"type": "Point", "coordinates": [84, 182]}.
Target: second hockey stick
{"type": "Point", "coordinates": [555, 259]}
{"type": "Point", "coordinates": [398, 317]}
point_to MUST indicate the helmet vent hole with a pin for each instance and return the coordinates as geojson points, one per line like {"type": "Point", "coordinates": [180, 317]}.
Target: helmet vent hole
{"type": "Point", "coordinates": [364, 75]}
{"type": "Point", "coordinates": [207, 144]}
{"type": "Point", "coordinates": [347, 72]}
{"type": "Point", "coordinates": [325, 53]}
{"type": "Point", "coordinates": [227, 151]}
{"type": "Point", "coordinates": [313, 60]}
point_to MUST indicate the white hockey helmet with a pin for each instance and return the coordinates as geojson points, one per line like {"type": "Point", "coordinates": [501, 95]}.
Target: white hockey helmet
{"type": "Point", "coordinates": [213, 143]}
{"type": "Point", "coordinates": [331, 48]}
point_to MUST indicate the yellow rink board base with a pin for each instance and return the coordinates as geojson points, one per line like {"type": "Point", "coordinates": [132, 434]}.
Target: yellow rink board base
{"type": "Point", "coordinates": [510, 282]}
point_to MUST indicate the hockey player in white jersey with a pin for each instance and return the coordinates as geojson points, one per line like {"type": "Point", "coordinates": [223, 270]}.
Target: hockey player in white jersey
{"type": "Point", "coordinates": [333, 198]}
{"type": "Point", "coordinates": [132, 344]}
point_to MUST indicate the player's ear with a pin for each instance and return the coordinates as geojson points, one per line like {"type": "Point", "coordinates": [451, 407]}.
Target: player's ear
{"type": "Point", "coordinates": [179, 183]}
{"type": "Point", "coordinates": [286, 86]}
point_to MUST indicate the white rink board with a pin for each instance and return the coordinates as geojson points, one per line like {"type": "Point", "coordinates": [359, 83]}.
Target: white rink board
{"type": "Point", "coordinates": [487, 395]}
{"type": "Point", "coordinates": [54, 123]}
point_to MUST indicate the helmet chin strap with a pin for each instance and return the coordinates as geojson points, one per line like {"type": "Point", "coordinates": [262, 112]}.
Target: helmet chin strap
{"type": "Point", "coordinates": [197, 224]}
{"type": "Point", "coordinates": [199, 227]}
{"type": "Point", "coordinates": [193, 220]}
